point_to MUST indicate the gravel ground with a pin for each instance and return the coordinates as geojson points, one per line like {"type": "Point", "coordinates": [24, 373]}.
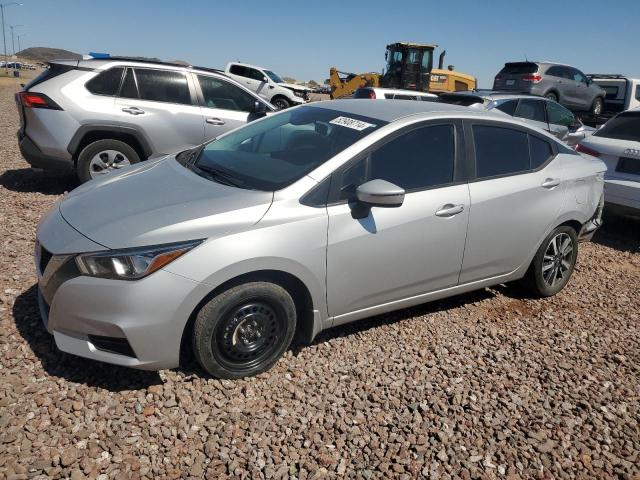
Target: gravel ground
{"type": "Point", "coordinates": [485, 385]}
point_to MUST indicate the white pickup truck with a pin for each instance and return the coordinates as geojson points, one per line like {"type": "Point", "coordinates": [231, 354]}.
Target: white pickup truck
{"type": "Point", "coordinates": [623, 93]}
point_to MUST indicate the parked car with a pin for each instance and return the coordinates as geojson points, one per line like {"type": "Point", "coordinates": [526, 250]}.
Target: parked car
{"type": "Point", "coordinates": [377, 93]}
{"type": "Point", "coordinates": [539, 111]}
{"type": "Point", "coordinates": [98, 115]}
{"type": "Point", "coordinates": [307, 219]}
{"type": "Point", "coordinates": [562, 83]}
{"type": "Point", "coordinates": [268, 85]}
{"type": "Point", "coordinates": [617, 144]}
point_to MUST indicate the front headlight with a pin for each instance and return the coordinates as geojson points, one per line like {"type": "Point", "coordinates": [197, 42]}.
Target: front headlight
{"type": "Point", "coordinates": [132, 263]}
{"type": "Point", "coordinates": [298, 93]}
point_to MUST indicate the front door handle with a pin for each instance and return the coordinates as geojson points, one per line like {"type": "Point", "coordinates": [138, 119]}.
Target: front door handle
{"type": "Point", "coordinates": [133, 110]}
{"type": "Point", "coordinates": [214, 121]}
{"type": "Point", "coordinates": [551, 183]}
{"type": "Point", "coordinates": [449, 210]}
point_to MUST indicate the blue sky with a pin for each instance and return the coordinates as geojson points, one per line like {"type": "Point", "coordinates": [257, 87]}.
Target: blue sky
{"type": "Point", "coordinates": [303, 39]}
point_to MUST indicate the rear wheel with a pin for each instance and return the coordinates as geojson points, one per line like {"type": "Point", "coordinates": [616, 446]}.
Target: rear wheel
{"type": "Point", "coordinates": [244, 330]}
{"type": "Point", "coordinates": [552, 96]}
{"type": "Point", "coordinates": [596, 108]}
{"type": "Point", "coordinates": [104, 156]}
{"type": "Point", "coordinates": [281, 103]}
{"type": "Point", "coordinates": [553, 263]}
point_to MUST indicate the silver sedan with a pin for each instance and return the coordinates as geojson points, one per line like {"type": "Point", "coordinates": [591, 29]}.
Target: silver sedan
{"type": "Point", "coordinates": [304, 220]}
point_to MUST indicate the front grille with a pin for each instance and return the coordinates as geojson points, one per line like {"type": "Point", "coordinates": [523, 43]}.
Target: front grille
{"type": "Point", "coordinates": [116, 345]}
{"type": "Point", "coordinates": [628, 165]}
{"type": "Point", "coordinates": [45, 257]}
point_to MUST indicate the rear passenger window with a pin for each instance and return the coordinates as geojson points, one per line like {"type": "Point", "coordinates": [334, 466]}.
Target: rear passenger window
{"type": "Point", "coordinates": [220, 94]}
{"type": "Point", "coordinates": [540, 151]}
{"type": "Point", "coordinates": [106, 83]}
{"type": "Point", "coordinates": [163, 86]}
{"type": "Point", "coordinates": [500, 151]}
{"type": "Point", "coordinates": [508, 107]}
{"type": "Point", "coordinates": [531, 110]}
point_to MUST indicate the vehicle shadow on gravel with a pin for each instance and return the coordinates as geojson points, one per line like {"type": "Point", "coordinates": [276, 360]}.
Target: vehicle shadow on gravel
{"type": "Point", "coordinates": [80, 370]}
{"type": "Point", "coordinates": [619, 232]}
{"type": "Point", "coordinates": [435, 306]}
{"type": "Point", "coordinates": [30, 180]}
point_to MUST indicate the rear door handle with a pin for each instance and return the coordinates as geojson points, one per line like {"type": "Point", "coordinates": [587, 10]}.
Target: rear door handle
{"type": "Point", "coordinates": [551, 183]}
{"type": "Point", "coordinates": [449, 210]}
{"type": "Point", "coordinates": [214, 121]}
{"type": "Point", "coordinates": [133, 110]}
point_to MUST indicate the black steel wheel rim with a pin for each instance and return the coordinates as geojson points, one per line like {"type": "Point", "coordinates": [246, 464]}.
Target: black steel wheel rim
{"type": "Point", "coordinates": [249, 333]}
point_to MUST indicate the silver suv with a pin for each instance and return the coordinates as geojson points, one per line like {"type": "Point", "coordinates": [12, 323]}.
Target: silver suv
{"type": "Point", "coordinates": [562, 83]}
{"type": "Point", "coordinates": [316, 216]}
{"type": "Point", "coordinates": [98, 115]}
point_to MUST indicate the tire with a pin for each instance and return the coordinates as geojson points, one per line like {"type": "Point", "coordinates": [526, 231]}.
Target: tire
{"type": "Point", "coordinates": [227, 350]}
{"type": "Point", "coordinates": [102, 157]}
{"type": "Point", "coordinates": [552, 96]}
{"type": "Point", "coordinates": [598, 104]}
{"type": "Point", "coordinates": [538, 280]}
{"type": "Point", "coordinates": [281, 103]}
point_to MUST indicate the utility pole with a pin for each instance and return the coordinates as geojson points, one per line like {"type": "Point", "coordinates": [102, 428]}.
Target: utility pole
{"type": "Point", "coordinates": [18, 37]}
{"type": "Point", "coordinates": [13, 43]}
{"type": "Point", "coordinates": [4, 37]}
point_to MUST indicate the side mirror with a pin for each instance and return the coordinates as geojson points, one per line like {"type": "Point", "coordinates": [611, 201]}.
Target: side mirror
{"type": "Point", "coordinates": [380, 193]}
{"type": "Point", "coordinates": [258, 110]}
{"type": "Point", "coordinates": [265, 79]}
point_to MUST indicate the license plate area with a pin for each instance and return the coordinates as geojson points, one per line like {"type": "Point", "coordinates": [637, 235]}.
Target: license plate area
{"type": "Point", "coordinates": [510, 83]}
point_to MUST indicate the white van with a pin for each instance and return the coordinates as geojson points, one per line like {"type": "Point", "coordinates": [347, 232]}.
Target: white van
{"type": "Point", "coordinates": [268, 85]}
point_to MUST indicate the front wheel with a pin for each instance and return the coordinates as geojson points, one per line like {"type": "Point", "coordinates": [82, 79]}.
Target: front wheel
{"type": "Point", "coordinates": [553, 263]}
{"type": "Point", "coordinates": [244, 330]}
{"type": "Point", "coordinates": [596, 108]}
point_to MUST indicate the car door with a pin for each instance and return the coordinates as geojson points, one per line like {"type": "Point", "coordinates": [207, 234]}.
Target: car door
{"type": "Point", "coordinates": [516, 195]}
{"type": "Point", "coordinates": [224, 105]}
{"type": "Point", "coordinates": [560, 119]}
{"type": "Point", "coordinates": [160, 104]}
{"type": "Point", "coordinates": [533, 111]}
{"type": "Point", "coordinates": [396, 253]}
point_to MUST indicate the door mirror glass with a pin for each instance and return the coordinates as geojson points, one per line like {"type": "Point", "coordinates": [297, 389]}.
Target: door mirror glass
{"type": "Point", "coordinates": [380, 193]}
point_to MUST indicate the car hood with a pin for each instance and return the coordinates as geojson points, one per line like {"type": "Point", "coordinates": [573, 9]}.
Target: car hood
{"type": "Point", "coordinates": [160, 202]}
{"type": "Point", "coordinates": [293, 86]}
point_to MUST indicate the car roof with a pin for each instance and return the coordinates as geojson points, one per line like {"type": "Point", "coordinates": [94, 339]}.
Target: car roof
{"type": "Point", "coordinates": [398, 91]}
{"type": "Point", "coordinates": [491, 95]}
{"type": "Point", "coordinates": [248, 65]}
{"type": "Point", "coordinates": [142, 62]}
{"type": "Point", "coordinates": [387, 110]}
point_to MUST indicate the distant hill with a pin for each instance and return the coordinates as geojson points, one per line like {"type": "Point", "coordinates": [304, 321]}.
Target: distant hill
{"type": "Point", "coordinates": [44, 54]}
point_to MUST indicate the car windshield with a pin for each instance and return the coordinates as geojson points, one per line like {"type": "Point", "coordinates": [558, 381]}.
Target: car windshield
{"type": "Point", "coordinates": [274, 76]}
{"type": "Point", "coordinates": [625, 126]}
{"type": "Point", "coordinates": [280, 149]}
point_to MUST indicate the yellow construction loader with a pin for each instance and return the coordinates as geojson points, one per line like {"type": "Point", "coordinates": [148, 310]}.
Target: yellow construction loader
{"type": "Point", "coordinates": [410, 67]}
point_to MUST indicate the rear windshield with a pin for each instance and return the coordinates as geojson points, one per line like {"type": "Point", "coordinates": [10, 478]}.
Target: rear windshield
{"type": "Point", "coordinates": [54, 70]}
{"type": "Point", "coordinates": [462, 100]}
{"type": "Point", "coordinates": [625, 126]}
{"type": "Point", "coordinates": [275, 152]}
{"type": "Point", "coordinates": [362, 93]}
{"type": "Point", "coordinates": [519, 68]}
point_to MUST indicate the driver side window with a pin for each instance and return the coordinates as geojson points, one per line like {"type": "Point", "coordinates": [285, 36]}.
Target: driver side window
{"type": "Point", "coordinates": [419, 159]}
{"type": "Point", "coordinates": [218, 93]}
{"type": "Point", "coordinates": [558, 115]}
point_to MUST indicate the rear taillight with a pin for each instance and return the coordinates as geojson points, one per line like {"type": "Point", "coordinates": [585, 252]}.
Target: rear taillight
{"type": "Point", "coordinates": [589, 151]}
{"type": "Point", "coordinates": [37, 100]}
{"type": "Point", "coordinates": [531, 78]}
{"type": "Point", "coordinates": [372, 94]}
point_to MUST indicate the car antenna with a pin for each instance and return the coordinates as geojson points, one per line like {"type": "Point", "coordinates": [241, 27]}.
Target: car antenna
{"type": "Point", "coordinates": [525, 58]}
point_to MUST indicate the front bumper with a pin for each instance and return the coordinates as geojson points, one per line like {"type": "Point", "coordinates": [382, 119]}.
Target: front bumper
{"type": "Point", "coordinates": [131, 323]}
{"type": "Point", "coordinates": [34, 156]}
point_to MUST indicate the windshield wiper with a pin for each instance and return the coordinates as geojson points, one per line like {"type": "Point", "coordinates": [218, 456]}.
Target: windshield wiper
{"type": "Point", "coordinates": [220, 176]}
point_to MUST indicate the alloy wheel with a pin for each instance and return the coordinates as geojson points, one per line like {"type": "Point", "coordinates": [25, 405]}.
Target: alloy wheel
{"type": "Point", "coordinates": [557, 259]}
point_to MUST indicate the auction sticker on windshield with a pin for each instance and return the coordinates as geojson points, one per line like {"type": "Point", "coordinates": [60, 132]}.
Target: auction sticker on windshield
{"type": "Point", "coordinates": [351, 123]}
